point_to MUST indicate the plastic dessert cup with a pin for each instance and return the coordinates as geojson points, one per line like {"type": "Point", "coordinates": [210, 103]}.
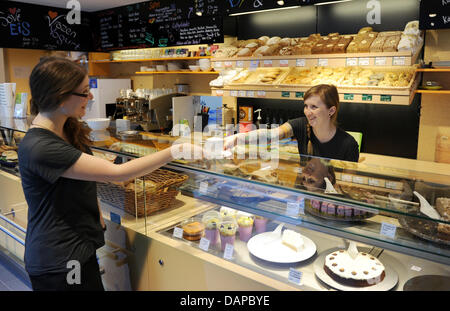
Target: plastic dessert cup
{"type": "Point", "coordinates": [245, 222]}
{"type": "Point", "coordinates": [260, 224]}
{"type": "Point", "coordinates": [211, 220]}
{"type": "Point", "coordinates": [227, 229]}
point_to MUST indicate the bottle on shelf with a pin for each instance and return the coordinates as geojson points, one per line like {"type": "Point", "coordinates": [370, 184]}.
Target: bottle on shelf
{"type": "Point", "coordinates": [258, 119]}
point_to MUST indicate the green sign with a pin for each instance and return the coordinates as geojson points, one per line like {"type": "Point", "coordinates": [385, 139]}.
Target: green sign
{"type": "Point", "coordinates": [386, 98]}
{"type": "Point", "coordinates": [367, 97]}
{"type": "Point", "coordinates": [348, 96]}
{"type": "Point", "coordinates": [285, 94]}
{"type": "Point", "coordinates": [299, 94]}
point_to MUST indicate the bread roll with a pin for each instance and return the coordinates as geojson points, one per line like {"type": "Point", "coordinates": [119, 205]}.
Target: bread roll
{"type": "Point", "coordinates": [365, 29]}
{"type": "Point", "coordinates": [273, 40]}
{"type": "Point", "coordinates": [263, 40]}
{"type": "Point", "coordinates": [252, 46]}
{"type": "Point", "coordinates": [285, 42]}
{"type": "Point", "coordinates": [265, 50]}
{"type": "Point", "coordinates": [244, 52]}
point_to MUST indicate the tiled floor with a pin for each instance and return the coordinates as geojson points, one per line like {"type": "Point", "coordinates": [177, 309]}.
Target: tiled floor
{"type": "Point", "coordinates": [10, 280]}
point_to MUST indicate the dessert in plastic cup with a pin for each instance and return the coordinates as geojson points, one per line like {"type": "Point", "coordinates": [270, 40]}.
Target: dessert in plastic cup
{"type": "Point", "coordinates": [211, 220]}
{"type": "Point", "coordinates": [245, 222]}
{"type": "Point", "coordinates": [192, 229]}
{"type": "Point", "coordinates": [227, 211]}
{"type": "Point", "coordinates": [260, 224]}
{"type": "Point", "coordinates": [227, 229]}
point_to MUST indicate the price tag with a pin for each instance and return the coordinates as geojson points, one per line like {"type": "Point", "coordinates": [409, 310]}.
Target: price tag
{"type": "Point", "coordinates": [218, 65]}
{"type": "Point", "coordinates": [295, 276]}
{"type": "Point", "coordinates": [228, 64]}
{"type": "Point", "coordinates": [416, 268]}
{"type": "Point", "coordinates": [242, 94]}
{"type": "Point", "coordinates": [301, 62]}
{"type": "Point", "coordinates": [178, 232]}
{"type": "Point", "coordinates": [364, 61]}
{"type": "Point", "coordinates": [253, 65]}
{"type": "Point", "coordinates": [261, 93]}
{"type": "Point", "coordinates": [295, 208]}
{"type": "Point", "coordinates": [374, 182]}
{"type": "Point", "coordinates": [219, 92]}
{"type": "Point", "coordinates": [323, 62]}
{"type": "Point", "coordinates": [352, 61]}
{"type": "Point", "coordinates": [346, 177]}
{"type": "Point", "coordinates": [203, 188]}
{"type": "Point", "coordinates": [386, 98]}
{"type": "Point", "coordinates": [358, 180]}
{"type": "Point", "coordinates": [398, 61]}
{"type": "Point", "coordinates": [380, 61]}
{"type": "Point", "coordinates": [285, 94]}
{"type": "Point", "coordinates": [284, 63]}
{"type": "Point", "coordinates": [367, 97]}
{"type": "Point", "coordinates": [388, 230]}
{"type": "Point", "coordinates": [204, 244]}
{"type": "Point", "coordinates": [299, 94]}
{"type": "Point", "coordinates": [348, 96]}
{"type": "Point", "coordinates": [267, 63]}
{"type": "Point", "coordinates": [391, 185]}
{"type": "Point", "coordinates": [234, 93]}
{"type": "Point", "coordinates": [240, 64]}
{"type": "Point", "coordinates": [115, 218]}
{"type": "Point", "coordinates": [228, 253]}
{"type": "Point", "coordinates": [250, 93]}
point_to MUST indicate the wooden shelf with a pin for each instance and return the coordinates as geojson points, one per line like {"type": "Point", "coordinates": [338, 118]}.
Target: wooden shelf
{"type": "Point", "coordinates": [177, 72]}
{"type": "Point", "coordinates": [149, 59]}
{"type": "Point", "coordinates": [433, 69]}
{"type": "Point", "coordinates": [433, 91]}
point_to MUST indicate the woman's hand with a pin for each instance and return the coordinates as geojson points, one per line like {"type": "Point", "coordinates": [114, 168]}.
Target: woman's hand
{"type": "Point", "coordinates": [230, 141]}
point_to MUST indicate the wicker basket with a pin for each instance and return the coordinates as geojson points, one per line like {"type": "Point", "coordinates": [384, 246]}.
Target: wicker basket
{"type": "Point", "coordinates": [159, 197]}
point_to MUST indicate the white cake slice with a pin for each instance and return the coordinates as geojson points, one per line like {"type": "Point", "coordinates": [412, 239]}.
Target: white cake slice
{"type": "Point", "coordinates": [292, 240]}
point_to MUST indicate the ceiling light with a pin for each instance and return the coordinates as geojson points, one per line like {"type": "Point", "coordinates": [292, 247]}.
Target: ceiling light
{"type": "Point", "coordinates": [199, 13]}
{"type": "Point", "coordinates": [280, 2]}
{"type": "Point", "coordinates": [268, 10]}
{"type": "Point", "coordinates": [332, 2]}
{"type": "Point", "coordinates": [432, 15]}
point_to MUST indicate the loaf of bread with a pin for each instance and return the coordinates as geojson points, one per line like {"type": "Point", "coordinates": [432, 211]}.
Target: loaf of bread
{"type": "Point", "coordinates": [287, 50]}
{"type": "Point", "coordinates": [266, 50]}
{"type": "Point", "coordinates": [389, 33]}
{"type": "Point", "coordinates": [377, 44]}
{"type": "Point", "coordinates": [318, 48]}
{"type": "Point", "coordinates": [328, 49]}
{"type": "Point", "coordinates": [273, 41]}
{"type": "Point", "coordinates": [285, 42]}
{"type": "Point", "coordinates": [263, 40]}
{"type": "Point", "coordinates": [390, 45]}
{"type": "Point", "coordinates": [364, 30]}
{"type": "Point", "coordinates": [352, 47]}
{"type": "Point", "coordinates": [341, 46]}
{"type": "Point", "coordinates": [244, 52]}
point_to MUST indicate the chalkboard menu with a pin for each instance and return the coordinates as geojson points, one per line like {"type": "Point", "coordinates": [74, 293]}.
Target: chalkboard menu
{"type": "Point", "coordinates": [434, 14]}
{"type": "Point", "coordinates": [159, 24]}
{"type": "Point", "coordinates": [242, 6]}
{"type": "Point", "coordinates": [40, 27]}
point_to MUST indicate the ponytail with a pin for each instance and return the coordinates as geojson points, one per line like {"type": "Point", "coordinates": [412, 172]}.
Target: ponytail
{"type": "Point", "coordinates": [309, 149]}
{"type": "Point", "coordinates": [77, 133]}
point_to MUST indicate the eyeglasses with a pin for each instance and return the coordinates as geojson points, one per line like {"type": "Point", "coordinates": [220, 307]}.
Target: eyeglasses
{"type": "Point", "coordinates": [81, 94]}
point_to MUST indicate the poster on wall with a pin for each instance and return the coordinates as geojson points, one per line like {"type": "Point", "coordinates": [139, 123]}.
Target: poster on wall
{"type": "Point", "coordinates": [40, 27]}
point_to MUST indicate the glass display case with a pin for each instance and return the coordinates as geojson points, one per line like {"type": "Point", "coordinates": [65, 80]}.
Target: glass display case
{"type": "Point", "coordinates": [285, 217]}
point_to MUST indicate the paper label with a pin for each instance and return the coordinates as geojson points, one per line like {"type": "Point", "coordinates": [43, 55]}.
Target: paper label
{"type": "Point", "coordinates": [398, 61]}
{"type": "Point", "coordinates": [299, 94]}
{"type": "Point", "coordinates": [242, 93]}
{"type": "Point", "coordinates": [367, 97]}
{"type": "Point", "coordinates": [295, 276]}
{"type": "Point", "coordinates": [115, 218]}
{"type": "Point", "coordinates": [388, 230]}
{"type": "Point", "coordinates": [254, 64]}
{"type": "Point", "coordinates": [380, 61]}
{"type": "Point", "coordinates": [267, 63]}
{"type": "Point", "coordinates": [178, 232]}
{"type": "Point", "coordinates": [374, 182]}
{"type": "Point", "coordinates": [285, 94]}
{"type": "Point", "coordinates": [219, 92]}
{"type": "Point", "coordinates": [293, 209]}
{"type": "Point", "coordinates": [228, 253]}
{"type": "Point", "coordinates": [416, 268]}
{"type": "Point", "coordinates": [358, 180]}
{"type": "Point", "coordinates": [348, 96]}
{"type": "Point", "coordinates": [391, 185]}
{"type": "Point", "coordinates": [240, 64]}
{"type": "Point", "coordinates": [301, 62]}
{"type": "Point", "coordinates": [203, 187]}
{"type": "Point", "coordinates": [234, 93]}
{"type": "Point", "coordinates": [386, 98]}
{"type": "Point", "coordinates": [323, 62]}
{"type": "Point", "coordinates": [346, 177]}
{"type": "Point", "coordinates": [352, 61]}
{"type": "Point", "coordinates": [204, 244]}
{"type": "Point", "coordinates": [364, 61]}
{"type": "Point", "coordinates": [218, 64]}
{"type": "Point", "coordinates": [284, 63]}
{"type": "Point", "coordinates": [250, 93]}
{"type": "Point", "coordinates": [261, 93]}
{"type": "Point", "coordinates": [228, 64]}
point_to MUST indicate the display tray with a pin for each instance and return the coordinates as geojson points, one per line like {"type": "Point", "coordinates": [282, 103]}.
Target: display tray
{"type": "Point", "coordinates": [266, 247]}
{"type": "Point", "coordinates": [425, 229]}
{"type": "Point", "coordinates": [8, 163]}
{"type": "Point", "coordinates": [389, 281]}
{"type": "Point", "coordinates": [428, 283]}
{"type": "Point", "coordinates": [314, 212]}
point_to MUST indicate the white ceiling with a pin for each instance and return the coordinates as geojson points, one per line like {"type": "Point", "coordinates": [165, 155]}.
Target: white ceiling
{"type": "Point", "coordinates": [86, 5]}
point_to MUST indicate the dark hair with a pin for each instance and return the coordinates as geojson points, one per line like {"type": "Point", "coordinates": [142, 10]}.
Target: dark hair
{"type": "Point", "coordinates": [51, 82]}
{"type": "Point", "coordinates": [330, 97]}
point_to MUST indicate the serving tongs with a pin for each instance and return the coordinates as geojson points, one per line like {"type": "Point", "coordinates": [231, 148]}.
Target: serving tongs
{"type": "Point", "coordinates": [275, 235]}
{"type": "Point", "coordinates": [426, 208]}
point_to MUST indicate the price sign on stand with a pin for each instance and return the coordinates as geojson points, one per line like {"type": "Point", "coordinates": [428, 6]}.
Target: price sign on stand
{"type": "Point", "coordinates": [374, 182]}
{"type": "Point", "coordinates": [299, 94]}
{"type": "Point", "coordinates": [364, 61]}
{"type": "Point", "coordinates": [219, 92]}
{"type": "Point", "coordinates": [367, 97]}
{"type": "Point", "coordinates": [242, 93]}
{"type": "Point", "coordinates": [398, 61]}
{"type": "Point", "coordinates": [250, 93]}
{"type": "Point", "coordinates": [323, 62]}
{"type": "Point", "coordinates": [261, 94]}
{"type": "Point", "coordinates": [301, 62]}
{"type": "Point", "coordinates": [254, 65]}
{"type": "Point", "coordinates": [388, 230]}
{"type": "Point", "coordinates": [218, 65]}
{"type": "Point", "coordinates": [228, 253]}
{"type": "Point", "coordinates": [228, 64]}
{"type": "Point", "coordinates": [380, 61]}
{"type": "Point", "coordinates": [295, 276]}
{"type": "Point", "coordinates": [385, 98]}
{"type": "Point", "coordinates": [284, 63]}
{"type": "Point", "coordinates": [204, 244]}
{"type": "Point", "coordinates": [267, 63]}
{"type": "Point", "coordinates": [295, 208]}
{"type": "Point", "coordinates": [285, 94]}
{"type": "Point", "coordinates": [352, 61]}
{"type": "Point", "coordinates": [348, 96]}
{"type": "Point", "coordinates": [178, 232]}
{"type": "Point", "coordinates": [233, 93]}
{"type": "Point", "coordinates": [240, 64]}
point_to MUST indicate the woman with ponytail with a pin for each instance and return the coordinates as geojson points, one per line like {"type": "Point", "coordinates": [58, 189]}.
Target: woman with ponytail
{"type": "Point", "coordinates": [58, 172]}
{"type": "Point", "coordinates": [317, 133]}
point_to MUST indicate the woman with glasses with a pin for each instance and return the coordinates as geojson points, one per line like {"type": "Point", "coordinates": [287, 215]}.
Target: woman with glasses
{"type": "Point", "coordinates": [58, 171]}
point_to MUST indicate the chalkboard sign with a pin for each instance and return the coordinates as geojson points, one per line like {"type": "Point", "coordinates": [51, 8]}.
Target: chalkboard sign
{"type": "Point", "coordinates": [186, 32]}
{"type": "Point", "coordinates": [40, 27]}
{"type": "Point", "coordinates": [434, 14]}
{"type": "Point", "coordinates": [242, 6]}
{"type": "Point", "coordinates": [163, 11]}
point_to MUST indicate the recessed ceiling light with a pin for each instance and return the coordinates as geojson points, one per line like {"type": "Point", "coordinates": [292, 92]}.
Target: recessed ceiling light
{"type": "Point", "coordinates": [280, 2]}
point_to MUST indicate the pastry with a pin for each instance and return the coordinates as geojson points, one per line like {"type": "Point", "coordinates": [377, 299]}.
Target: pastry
{"type": "Point", "coordinates": [227, 229]}
{"type": "Point", "coordinates": [244, 52]}
{"type": "Point", "coordinates": [363, 270]}
{"type": "Point", "coordinates": [193, 231]}
{"type": "Point", "coordinates": [443, 208]}
{"type": "Point", "coordinates": [273, 40]}
{"type": "Point", "coordinates": [293, 240]}
{"type": "Point", "coordinates": [263, 40]}
{"type": "Point", "coordinates": [227, 211]}
{"type": "Point", "coordinates": [245, 222]}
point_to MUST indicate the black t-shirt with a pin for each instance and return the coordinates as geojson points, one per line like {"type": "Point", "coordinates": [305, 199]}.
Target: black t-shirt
{"type": "Point", "coordinates": [63, 216]}
{"type": "Point", "coordinates": [341, 147]}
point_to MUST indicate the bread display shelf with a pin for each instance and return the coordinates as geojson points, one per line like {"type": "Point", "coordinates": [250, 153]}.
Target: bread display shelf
{"type": "Point", "coordinates": [403, 58]}
{"type": "Point", "coordinates": [176, 72]}
{"type": "Point", "coordinates": [147, 59]}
